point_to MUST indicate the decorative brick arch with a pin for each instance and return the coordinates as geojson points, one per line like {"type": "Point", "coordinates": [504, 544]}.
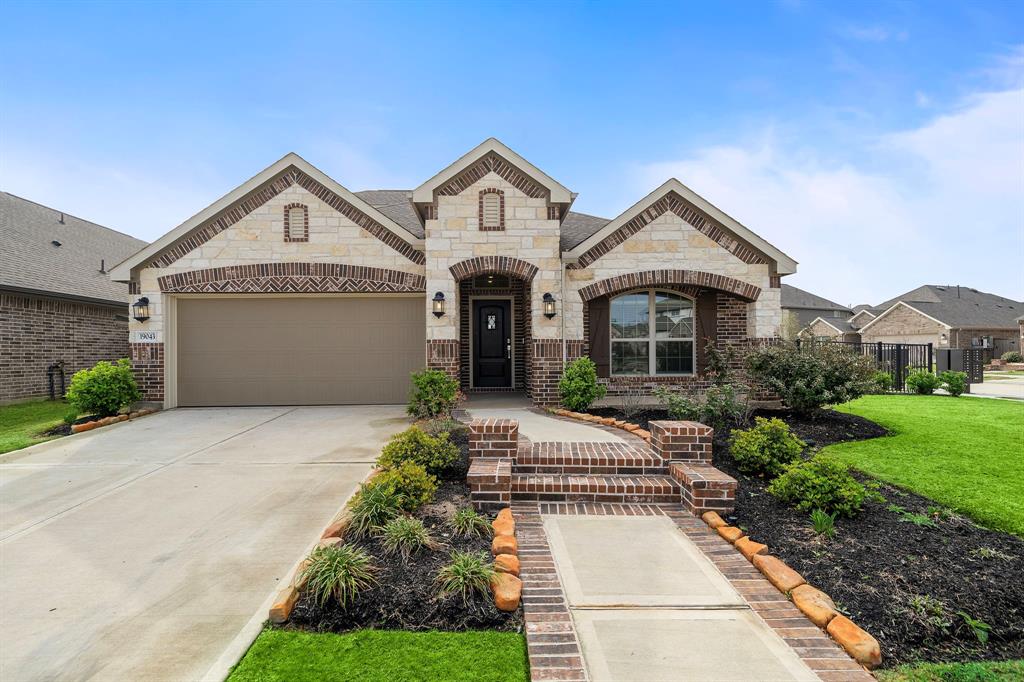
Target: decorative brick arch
{"type": "Point", "coordinates": [505, 265]}
{"type": "Point", "coordinates": [656, 278]}
{"type": "Point", "coordinates": [293, 278]}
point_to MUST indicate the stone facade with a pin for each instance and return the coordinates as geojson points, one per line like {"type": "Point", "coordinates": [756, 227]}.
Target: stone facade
{"type": "Point", "coordinates": [38, 331]}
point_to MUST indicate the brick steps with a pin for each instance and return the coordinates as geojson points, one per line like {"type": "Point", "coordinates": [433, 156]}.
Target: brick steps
{"type": "Point", "coordinates": [588, 458]}
{"type": "Point", "coordinates": [591, 488]}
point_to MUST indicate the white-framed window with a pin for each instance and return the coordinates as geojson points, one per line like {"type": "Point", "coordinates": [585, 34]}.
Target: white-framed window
{"type": "Point", "coordinates": [652, 333]}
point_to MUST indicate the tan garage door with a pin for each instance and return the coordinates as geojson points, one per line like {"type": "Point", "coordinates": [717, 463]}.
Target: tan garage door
{"type": "Point", "coordinates": [298, 351]}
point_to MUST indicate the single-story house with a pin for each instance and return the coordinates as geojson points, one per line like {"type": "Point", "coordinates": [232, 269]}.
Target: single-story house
{"type": "Point", "coordinates": [947, 316]}
{"type": "Point", "coordinates": [292, 289]}
{"type": "Point", "coordinates": [830, 329]}
{"type": "Point", "coordinates": [58, 307]}
{"type": "Point", "coordinates": [800, 309]}
{"type": "Point", "coordinates": [1020, 324]}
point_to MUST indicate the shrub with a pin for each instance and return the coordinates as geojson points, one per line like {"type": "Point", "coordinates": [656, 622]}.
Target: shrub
{"type": "Point", "coordinates": [453, 427]}
{"type": "Point", "coordinates": [578, 386]}
{"type": "Point", "coordinates": [720, 404]}
{"type": "Point", "coordinates": [433, 393]}
{"type": "Point", "coordinates": [405, 535]}
{"type": "Point", "coordinates": [766, 448]}
{"type": "Point", "coordinates": [410, 482]}
{"type": "Point", "coordinates": [467, 522]}
{"type": "Point", "coordinates": [923, 382]}
{"type": "Point", "coordinates": [372, 507]}
{"type": "Point", "coordinates": [881, 381]}
{"type": "Point", "coordinates": [824, 524]}
{"type": "Point", "coordinates": [681, 406]}
{"type": "Point", "coordinates": [339, 571]}
{"type": "Point", "coordinates": [103, 389]}
{"type": "Point", "coordinates": [468, 573]}
{"type": "Point", "coordinates": [821, 483]}
{"type": "Point", "coordinates": [955, 383]}
{"type": "Point", "coordinates": [812, 376]}
{"type": "Point", "coordinates": [433, 453]}
{"type": "Point", "coordinates": [1012, 356]}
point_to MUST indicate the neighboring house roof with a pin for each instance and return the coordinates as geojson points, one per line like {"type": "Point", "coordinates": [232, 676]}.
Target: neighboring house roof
{"type": "Point", "coordinates": [29, 259]}
{"type": "Point", "coordinates": [792, 297]}
{"type": "Point", "coordinates": [861, 307]}
{"type": "Point", "coordinates": [959, 306]}
{"type": "Point", "coordinates": [841, 326]}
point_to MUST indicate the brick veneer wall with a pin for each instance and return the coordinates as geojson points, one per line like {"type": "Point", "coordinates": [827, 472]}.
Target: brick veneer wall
{"type": "Point", "coordinates": [148, 366]}
{"type": "Point", "coordinates": [36, 331]}
{"type": "Point", "coordinates": [443, 354]}
{"type": "Point", "coordinates": [681, 440]}
{"type": "Point", "coordinates": [546, 367]}
{"type": "Point", "coordinates": [493, 438]}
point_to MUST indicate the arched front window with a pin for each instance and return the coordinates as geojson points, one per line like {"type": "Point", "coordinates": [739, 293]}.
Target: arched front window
{"type": "Point", "coordinates": [640, 347]}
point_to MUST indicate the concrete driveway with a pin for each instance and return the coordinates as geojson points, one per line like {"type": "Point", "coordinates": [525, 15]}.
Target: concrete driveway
{"type": "Point", "coordinates": [139, 551]}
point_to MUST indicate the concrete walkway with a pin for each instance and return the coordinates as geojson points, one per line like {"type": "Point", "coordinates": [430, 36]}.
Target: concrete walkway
{"type": "Point", "coordinates": [141, 550]}
{"type": "Point", "coordinates": [648, 605]}
{"type": "Point", "coordinates": [535, 425]}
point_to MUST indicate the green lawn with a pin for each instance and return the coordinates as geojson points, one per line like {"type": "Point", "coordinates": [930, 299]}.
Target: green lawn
{"type": "Point", "coordinates": [384, 656]}
{"type": "Point", "coordinates": [955, 672]}
{"type": "Point", "coordinates": [965, 453]}
{"type": "Point", "coordinates": [21, 424]}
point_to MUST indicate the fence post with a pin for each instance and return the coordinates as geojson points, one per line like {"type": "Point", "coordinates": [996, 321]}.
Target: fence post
{"type": "Point", "coordinates": [878, 353]}
{"type": "Point", "coordinates": [900, 366]}
{"type": "Point", "coordinates": [929, 357]}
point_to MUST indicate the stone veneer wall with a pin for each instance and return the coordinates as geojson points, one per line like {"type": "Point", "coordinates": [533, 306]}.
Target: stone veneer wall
{"type": "Point", "coordinates": [37, 331]}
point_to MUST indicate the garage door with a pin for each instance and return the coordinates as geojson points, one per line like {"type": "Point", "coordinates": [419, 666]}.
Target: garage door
{"type": "Point", "coordinates": [298, 351]}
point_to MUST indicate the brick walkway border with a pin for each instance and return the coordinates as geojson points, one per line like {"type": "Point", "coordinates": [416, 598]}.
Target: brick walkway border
{"type": "Point", "coordinates": [551, 641]}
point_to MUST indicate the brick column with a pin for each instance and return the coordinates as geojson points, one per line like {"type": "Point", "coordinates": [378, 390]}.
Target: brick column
{"type": "Point", "coordinates": [490, 483]}
{"type": "Point", "coordinates": [148, 368]}
{"type": "Point", "coordinates": [443, 354]}
{"type": "Point", "coordinates": [705, 488]}
{"type": "Point", "coordinates": [493, 438]}
{"type": "Point", "coordinates": [681, 441]}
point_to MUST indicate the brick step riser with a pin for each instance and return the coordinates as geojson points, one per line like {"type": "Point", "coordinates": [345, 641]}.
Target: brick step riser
{"type": "Point", "coordinates": [592, 470]}
{"type": "Point", "coordinates": [624, 498]}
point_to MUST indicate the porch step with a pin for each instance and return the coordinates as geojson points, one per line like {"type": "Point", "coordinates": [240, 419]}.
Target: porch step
{"type": "Point", "coordinates": [590, 488]}
{"type": "Point", "coordinates": [588, 458]}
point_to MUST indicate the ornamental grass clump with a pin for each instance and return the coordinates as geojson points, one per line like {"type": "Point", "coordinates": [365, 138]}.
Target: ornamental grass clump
{"type": "Point", "coordinates": [823, 483]}
{"type": "Point", "coordinates": [468, 574]}
{"type": "Point", "coordinates": [338, 571]}
{"type": "Point", "coordinates": [405, 535]}
{"type": "Point", "coordinates": [410, 482]}
{"type": "Point", "coordinates": [433, 453]}
{"type": "Point", "coordinates": [372, 507]}
{"type": "Point", "coordinates": [468, 522]}
{"type": "Point", "coordinates": [765, 449]}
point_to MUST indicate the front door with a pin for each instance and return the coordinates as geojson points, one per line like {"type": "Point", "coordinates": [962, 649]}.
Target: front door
{"type": "Point", "coordinates": [492, 344]}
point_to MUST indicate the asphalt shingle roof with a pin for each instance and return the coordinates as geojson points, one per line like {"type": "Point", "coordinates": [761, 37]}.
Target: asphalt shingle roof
{"type": "Point", "coordinates": [793, 297]}
{"type": "Point", "coordinates": [30, 260]}
{"type": "Point", "coordinates": [960, 306]}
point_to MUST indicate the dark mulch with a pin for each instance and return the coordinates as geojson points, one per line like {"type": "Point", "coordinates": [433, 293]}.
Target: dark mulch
{"type": "Point", "coordinates": [406, 597]}
{"type": "Point", "coordinates": [65, 429]}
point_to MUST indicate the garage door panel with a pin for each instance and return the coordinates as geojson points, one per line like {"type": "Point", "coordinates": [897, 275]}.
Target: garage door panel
{"type": "Point", "coordinates": [298, 351]}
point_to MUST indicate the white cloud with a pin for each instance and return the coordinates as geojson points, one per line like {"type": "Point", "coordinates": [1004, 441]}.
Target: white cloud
{"type": "Point", "coordinates": [873, 34]}
{"type": "Point", "coordinates": [943, 203]}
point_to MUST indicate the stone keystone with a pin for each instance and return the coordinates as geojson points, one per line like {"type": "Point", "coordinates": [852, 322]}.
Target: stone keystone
{"type": "Point", "coordinates": [713, 519]}
{"type": "Point", "coordinates": [730, 533]}
{"type": "Point", "coordinates": [748, 548]}
{"type": "Point", "coordinates": [815, 604]}
{"type": "Point", "coordinates": [859, 644]}
{"type": "Point", "coordinates": [507, 590]}
{"type": "Point", "coordinates": [777, 572]}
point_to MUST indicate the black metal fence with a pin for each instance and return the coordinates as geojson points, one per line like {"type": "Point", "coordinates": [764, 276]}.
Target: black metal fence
{"type": "Point", "coordinates": [895, 358]}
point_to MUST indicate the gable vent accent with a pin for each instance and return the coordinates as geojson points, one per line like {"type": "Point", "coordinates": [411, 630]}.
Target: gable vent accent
{"type": "Point", "coordinates": [492, 210]}
{"type": "Point", "coordinates": [296, 223]}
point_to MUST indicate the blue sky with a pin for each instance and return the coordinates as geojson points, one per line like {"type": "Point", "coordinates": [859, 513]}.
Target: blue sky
{"type": "Point", "coordinates": [871, 141]}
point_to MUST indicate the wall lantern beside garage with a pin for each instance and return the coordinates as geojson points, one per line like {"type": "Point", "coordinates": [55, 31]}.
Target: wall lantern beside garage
{"type": "Point", "coordinates": [549, 305]}
{"type": "Point", "coordinates": [438, 304]}
{"type": "Point", "coordinates": [140, 309]}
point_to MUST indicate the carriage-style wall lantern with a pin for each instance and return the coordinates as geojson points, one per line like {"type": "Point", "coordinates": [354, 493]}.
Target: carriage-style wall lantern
{"type": "Point", "coordinates": [140, 309]}
{"type": "Point", "coordinates": [438, 304]}
{"type": "Point", "coordinates": [549, 305]}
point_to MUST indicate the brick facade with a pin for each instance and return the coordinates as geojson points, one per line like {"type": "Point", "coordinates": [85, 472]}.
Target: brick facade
{"type": "Point", "coordinates": [443, 354]}
{"type": "Point", "coordinates": [148, 366]}
{"type": "Point", "coordinates": [37, 331]}
{"type": "Point", "coordinates": [681, 440]}
{"type": "Point", "coordinates": [546, 368]}
{"type": "Point", "coordinates": [493, 438]}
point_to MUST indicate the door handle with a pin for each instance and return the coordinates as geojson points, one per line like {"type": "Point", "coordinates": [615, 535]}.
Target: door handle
{"type": "Point", "coordinates": [508, 349]}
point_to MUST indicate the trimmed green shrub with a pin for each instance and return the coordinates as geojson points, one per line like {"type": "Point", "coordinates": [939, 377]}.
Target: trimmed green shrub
{"type": "Point", "coordinates": [954, 383]}
{"type": "Point", "coordinates": [765, 449]}
{"type": "Point", "coordinates": [1012, 356]}
{"type": "Point", "coordinates": [405, 535]}
{"type": "Point", "coordinates": [823, 483]}
{"type": "Point", "coordinates": [411, 482]}
{"type": "Point", "coordinates": [578, 387]}
{"type": "Point", "coordinates": [453, 427]}
{"type": "Point", "coordinates": [882, 382]}
{"type": "Point", "coordinates": [433, 393]}
{"type": "Point", "coordinates": [372, 507]}
{"type": "Point", "coordinates": [812, 376]}
{"type": "Point", "coordinates": [468, 573]}
{"type": "Point", "coordinates": [103, 389]}
{"type": "Point", "coordinates": [681, 406]}
{"type": "Point", "coordinates": [468, 522]}
{"type": "Point", "coordinates": [433, 453]}
{"type": "Point", "coordinates": [718, 406]}
{"type": "Point", "coordinates": [338, 571]}
{"type": "Point", "coordinates": [922, 382]}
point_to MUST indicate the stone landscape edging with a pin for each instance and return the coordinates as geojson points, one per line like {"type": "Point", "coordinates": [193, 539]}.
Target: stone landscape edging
{"type": "Point", "coordinates": [817, 606]}
{"type": "Point", "coordinates": [107, 421]}
{"type": "Point", "coordinates": [506, 585]}
{"type": "Point", "coordinates": [635, 429]}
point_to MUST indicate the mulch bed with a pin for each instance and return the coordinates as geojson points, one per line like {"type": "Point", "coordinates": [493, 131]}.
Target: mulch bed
{"type": "Point", "coordinates": [904, 583]}
{"type": "Point", "coordinates": [406, 597]}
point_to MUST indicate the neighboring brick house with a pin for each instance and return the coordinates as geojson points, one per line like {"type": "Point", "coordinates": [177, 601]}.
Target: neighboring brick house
{"type": "Point", "coordinates": [947, 316]}
{"type": "Point", "coordinates": [57, 304]}
{"type": "Point", "coordinates": [830, 329]}
{"type": "Point", "coordinates": [1020, 324]}
{"type": "Point", "coordinates": [800, 310]}
{"type": "Point", "coordinates": [292, 289]}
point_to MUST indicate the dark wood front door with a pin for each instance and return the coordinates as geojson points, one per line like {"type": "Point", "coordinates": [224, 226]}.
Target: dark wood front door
{"type": "Point", "coordinates": [492, 344]}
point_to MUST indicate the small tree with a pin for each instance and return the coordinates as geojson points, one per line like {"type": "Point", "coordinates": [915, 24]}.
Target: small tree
{"type": "Point", "coordinates": [578, 387]}
{"type": "Point", "coordinates": [809, 377]}
{"type": "Point", "coordinates": [103, 389]}
{"type": "Point", "coordinates": [433, 394]}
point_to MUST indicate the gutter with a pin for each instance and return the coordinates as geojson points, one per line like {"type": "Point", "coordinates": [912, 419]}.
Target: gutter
{"type": "Point", "coordinates": [66, 297]}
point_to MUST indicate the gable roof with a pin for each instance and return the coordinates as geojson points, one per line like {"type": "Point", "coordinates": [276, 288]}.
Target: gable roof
{"type": "Point", "coordinates": [233, 203]}
{"type": "Point", "coordinates": [959, 306]}
{"type": "Point", "coordinates": [841, 326]}
{"type": "Point", "coordinates": [784, 264]}
{"type": "Point", "coordinates": [30, 261]}
{"type": "Point", "coordinates": [792, 297]}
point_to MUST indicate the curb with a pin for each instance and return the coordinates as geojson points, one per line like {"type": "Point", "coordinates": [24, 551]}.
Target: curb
{"type": "Point", "coordinates": [812, 602]}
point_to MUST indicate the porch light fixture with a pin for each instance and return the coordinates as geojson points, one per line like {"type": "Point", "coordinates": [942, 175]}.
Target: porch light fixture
{"type": "Point", "coordinates": [438, 304]}
{"type": "Point", "coordinates": [140, 309]}
{"type": "Point", "coordinates": [549, 305]}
